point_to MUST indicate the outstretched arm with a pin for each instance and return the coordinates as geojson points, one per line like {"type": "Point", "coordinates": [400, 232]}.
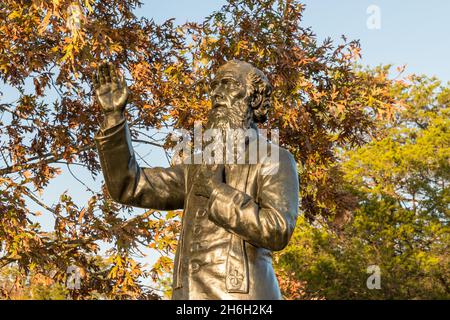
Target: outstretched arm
{"type": "Point", "coordinates": [127, 183]}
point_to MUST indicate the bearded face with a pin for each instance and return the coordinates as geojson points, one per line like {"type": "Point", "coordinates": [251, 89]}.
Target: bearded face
{"type": "Point", "coordinates": [234, 101]}
{"type": "Point", "coordinates": [230, 99]}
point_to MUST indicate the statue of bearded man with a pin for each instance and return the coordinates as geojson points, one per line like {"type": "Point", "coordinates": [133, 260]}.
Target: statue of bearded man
{"type": "Point", "coordinates": [235, 215]}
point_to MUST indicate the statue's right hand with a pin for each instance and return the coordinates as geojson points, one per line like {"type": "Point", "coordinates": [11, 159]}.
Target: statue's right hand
{"type": "Point", "coordinates": [110, 88]}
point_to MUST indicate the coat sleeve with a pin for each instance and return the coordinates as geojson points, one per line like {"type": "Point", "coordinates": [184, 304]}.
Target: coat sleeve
{"type": "Point", "coordinates": [269, 221]}
{"type": "Point", "coordinates": [127, 183]}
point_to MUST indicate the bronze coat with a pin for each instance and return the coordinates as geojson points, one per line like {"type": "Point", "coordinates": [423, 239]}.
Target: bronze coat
{"type": "Point", "coordinates": [226, 242]}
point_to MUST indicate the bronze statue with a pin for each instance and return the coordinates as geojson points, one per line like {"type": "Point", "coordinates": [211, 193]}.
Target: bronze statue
{"type": "Point", "coordinates": [235, 215]}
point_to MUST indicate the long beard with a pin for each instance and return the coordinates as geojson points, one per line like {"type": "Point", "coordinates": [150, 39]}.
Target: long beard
{"type": "Point", "coordinates": [228, 122]}
{"type": "Point", "coordinates": [226, 118]}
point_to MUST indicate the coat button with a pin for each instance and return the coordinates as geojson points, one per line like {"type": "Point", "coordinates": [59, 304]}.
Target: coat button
{"type": "Point", "coordinates": [197, 230]}
{"type": "Point", "coordinates": [201, 212]}
{"type": "Point", "coordinates": [195, 267]}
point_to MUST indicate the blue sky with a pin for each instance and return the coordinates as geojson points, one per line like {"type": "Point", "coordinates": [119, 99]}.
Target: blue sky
{"type": "Point", "coordinates": [411, 32]}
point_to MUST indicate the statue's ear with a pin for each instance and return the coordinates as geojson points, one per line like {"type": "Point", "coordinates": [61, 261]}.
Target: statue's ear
{"type": "Point", "coordinates": [256, 100]}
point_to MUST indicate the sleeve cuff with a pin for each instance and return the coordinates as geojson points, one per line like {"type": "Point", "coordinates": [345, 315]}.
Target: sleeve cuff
{"type": "Point", "coordinates": [104, 133]}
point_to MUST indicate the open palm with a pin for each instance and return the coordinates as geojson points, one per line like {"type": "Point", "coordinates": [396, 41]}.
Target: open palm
{"type": "Point", "coordinates": [110, 88]}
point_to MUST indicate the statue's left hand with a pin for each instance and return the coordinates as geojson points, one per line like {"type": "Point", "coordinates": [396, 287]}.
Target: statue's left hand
{"type": "Point", "coordinates": [209, 176]}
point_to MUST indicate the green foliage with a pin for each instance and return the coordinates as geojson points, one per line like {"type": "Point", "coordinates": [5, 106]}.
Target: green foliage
{"type": "Point", "coordinates": [402, 183]}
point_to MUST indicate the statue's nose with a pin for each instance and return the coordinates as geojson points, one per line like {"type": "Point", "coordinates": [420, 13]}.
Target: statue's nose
{"type": "Point", "coordinates": [216, 95]}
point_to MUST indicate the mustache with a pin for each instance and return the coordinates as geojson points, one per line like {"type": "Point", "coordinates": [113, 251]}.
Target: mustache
{"type": "Point", "coordinates": [223, 116]}
{"type": "Point", "coordinates": [219, 111]}
{"type": "Point", "coordinates": [222, 121]}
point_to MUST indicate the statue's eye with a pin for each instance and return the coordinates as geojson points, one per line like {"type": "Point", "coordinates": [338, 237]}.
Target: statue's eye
{"type": "Point", "coordinates": [230, 83]}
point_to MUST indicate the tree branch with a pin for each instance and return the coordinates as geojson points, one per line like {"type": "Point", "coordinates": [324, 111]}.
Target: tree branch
{"type": "Point", "coordinates": [48, 158]}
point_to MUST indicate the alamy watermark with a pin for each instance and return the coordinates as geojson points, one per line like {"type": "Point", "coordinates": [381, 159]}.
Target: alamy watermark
{"type": "Point", "coordinates": [73, 280]}
{"type": "Point", "coordinates": [374, 20]}
{"type": "Point", "coordinates": [227, 146]}
{"type": "Point", "coordinates": [374, 280]}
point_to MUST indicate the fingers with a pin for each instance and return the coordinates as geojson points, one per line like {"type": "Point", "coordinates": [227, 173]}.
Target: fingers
{"type": "Point", "coordinates": [113, 74]}
{"type": "Point", "coordinates": [101, 78]}
{"type": "Point", "coordinates": [96, 77]}
{"type": "Point", "coordinates": [117, 78]}
{"type": "Point", "coordinates": [107, 73]}
{"type": "Point", "coordinates": [103, 74]}
{"type": "Point", "coordinates": [95, 80]}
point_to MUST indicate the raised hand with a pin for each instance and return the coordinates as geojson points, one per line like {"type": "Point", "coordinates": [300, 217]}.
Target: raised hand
{"type": "Point", "coordinates": [110, 88]}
